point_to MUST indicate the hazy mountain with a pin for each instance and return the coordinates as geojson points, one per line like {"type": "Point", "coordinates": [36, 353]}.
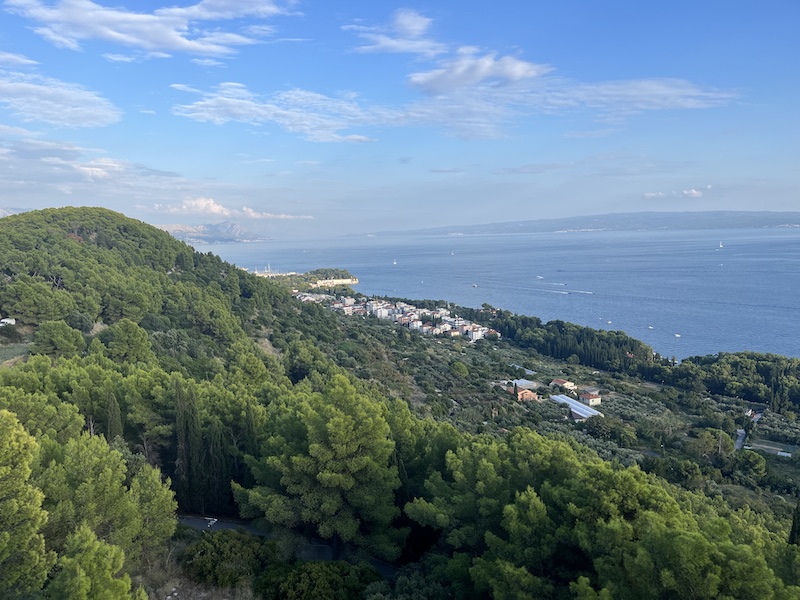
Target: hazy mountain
{"type": "Point", "coordinates": [627, 222]}
{"type": "Point", "coordinates": [4, 212]}
{"type": "Point", "coordinates": [211, 233]}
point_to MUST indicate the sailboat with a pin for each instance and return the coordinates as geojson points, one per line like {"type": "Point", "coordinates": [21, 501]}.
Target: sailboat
{"type": "Point", "coordinates": [394, 262]}
{"type": "Point", "coordinates": [720, 245]}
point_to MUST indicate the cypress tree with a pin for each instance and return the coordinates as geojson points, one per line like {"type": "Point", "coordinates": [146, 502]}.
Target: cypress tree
{"type": "Point", "coordinates": [114, 427]}
{"type": "Point", "coordinates": [794, 534]}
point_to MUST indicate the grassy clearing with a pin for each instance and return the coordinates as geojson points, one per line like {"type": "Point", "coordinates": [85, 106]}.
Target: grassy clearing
{"type": "Point", "coordinates": [12, 352]}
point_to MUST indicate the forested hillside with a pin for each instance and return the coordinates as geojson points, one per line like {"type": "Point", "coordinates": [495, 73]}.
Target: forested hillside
{"type": "Point", "coordinates": [145, 379]}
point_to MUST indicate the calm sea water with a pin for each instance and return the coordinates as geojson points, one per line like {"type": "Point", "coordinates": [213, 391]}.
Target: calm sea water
{"type": "Point", "coordinates": [684, 293]}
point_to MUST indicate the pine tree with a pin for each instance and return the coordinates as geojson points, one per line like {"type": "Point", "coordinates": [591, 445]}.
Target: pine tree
{"type": "Point", "coordinates": [24, 562]}
{"type": "Point", "coordinates": [90, 569]}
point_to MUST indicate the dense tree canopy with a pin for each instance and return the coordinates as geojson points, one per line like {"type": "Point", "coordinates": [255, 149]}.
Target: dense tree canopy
{"type": "Point", "coordinates": [162, 379]}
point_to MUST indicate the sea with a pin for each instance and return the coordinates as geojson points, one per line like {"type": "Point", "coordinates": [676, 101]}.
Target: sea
{"type": "Point", "coordinates": [683, 292]}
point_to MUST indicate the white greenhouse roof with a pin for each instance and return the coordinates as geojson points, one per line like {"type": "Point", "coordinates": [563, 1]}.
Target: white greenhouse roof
{"type": "Point", "coordinates": [578, 408]}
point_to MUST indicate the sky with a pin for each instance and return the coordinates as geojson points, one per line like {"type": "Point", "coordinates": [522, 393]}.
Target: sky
{"type": "Point", "coordinates": [309, 119]}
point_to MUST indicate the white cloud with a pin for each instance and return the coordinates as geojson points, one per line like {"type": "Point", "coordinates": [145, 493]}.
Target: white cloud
{"type": "Point", "coordinates": [208, 62]}
{"type": "Point", "coordinates": [259, 31]}
{"type": "Point", "coordinates": [195, 206]}
{"type": "Point", "coordinates": [68, 23]}
{"type": "Point", "coordinates": [7, 58]}
{"type": "Point", "coordinates": [124, 58]}
{"type": "Point", "coordinates": [469, 69]}
{"type": "Point", "coordinates": [635, 95]}
{"type": "Point", "coordinates": [252, 214]}
{"type": "Point", "coordinates": [690, 193]}
{"type": "Point", "coordinates": [6, 130]}
{"type": "Point", "coordinates": [209, 207]}
{"type": "Point", "coordinates": [103, 168]}
{"type": "Point", "coordinates": [410, 23]}
{"type": "Point", "coordinates": [315, 116]}
{"type": "Point", "coordinates": [37, 98]}
{"type": "Point", "coordinates": [185, 88]}
{"type": "Point", "coordinates": [476, 93]}
{"type": "Point", "coordinates": [470, 103]}
{"type": "Point", "coordinates": [405, 34]}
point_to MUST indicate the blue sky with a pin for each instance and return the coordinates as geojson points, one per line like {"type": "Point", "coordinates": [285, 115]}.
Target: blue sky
{"type": "Point", "coordinates": [307, 119]}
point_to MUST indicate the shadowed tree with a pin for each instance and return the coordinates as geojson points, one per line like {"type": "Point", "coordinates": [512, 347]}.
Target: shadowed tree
{"type": "Point", "coordinates": [794, 534]}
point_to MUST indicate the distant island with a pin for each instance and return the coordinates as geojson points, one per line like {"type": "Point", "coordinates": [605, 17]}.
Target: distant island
{"type": "Point", "coordinates": [638, 221]}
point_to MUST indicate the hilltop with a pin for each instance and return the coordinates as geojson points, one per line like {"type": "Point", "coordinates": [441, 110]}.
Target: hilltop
{"type": "Point", "coordinates": [153, 379]}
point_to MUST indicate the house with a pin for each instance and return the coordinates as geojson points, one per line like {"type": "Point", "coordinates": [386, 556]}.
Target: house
{"type": "Point", "coordinates": [567, 385]}
{"type": "Point", "coordinates": [525, 395]}
{"type": "Point", "coordinates": [590, 398]}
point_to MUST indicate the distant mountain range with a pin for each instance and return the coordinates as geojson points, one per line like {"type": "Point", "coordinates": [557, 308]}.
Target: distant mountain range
{"type": "Point", "coordinates": [626, 222]}
{"type": "Point", "coordinates": [211, 233]}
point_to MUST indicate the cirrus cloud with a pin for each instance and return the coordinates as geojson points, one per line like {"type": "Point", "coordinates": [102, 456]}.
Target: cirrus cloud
{"type": "Point", "coordinates": [49, 100]}
{"type": "Point", "coordinates": [405, 34]}
{"type": "Point", "coordinates": [9, 58]}
{"type": "Point", "coordinates": [317, 117]}
{"type": "Point", "coordinates": [68, 23]}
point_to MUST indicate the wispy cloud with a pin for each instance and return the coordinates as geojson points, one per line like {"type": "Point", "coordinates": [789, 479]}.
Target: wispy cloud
{"type": "Point", "coordinates": [469, 69]}
{"type": "Point", "coordinates": [15, 60]}
{"type": "Point", "coordinates": [68, 23]}
{"type": "Point", "coordinates": [211, 208]}
{"type": "Point", "coordinates": [405, 34]}
{"type": "Point", "coordinates": [479, 110]}
{"type": "Point", "coordinates": [102, 168]}
{"type": "Point", "coordinates": [475, 92]}
{"type": "Point", "coordinates": [315, 116]}
{"type": "Point", "coordinates": [44, 99]}
{"type": "Point", "coordinates": [123, 58]}
{"type": "Point", "coordinates": [6, 130]}
{"type": "Point", "coordinates": [208, 62]}
{"type": "Point", "coordinates": [626, 96]}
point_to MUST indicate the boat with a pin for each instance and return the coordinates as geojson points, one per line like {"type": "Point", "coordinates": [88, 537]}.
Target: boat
{"type": "Point", "coordinates": [394, 262]}
{"type": "Point", "coordinates": [720, 245]}
{"type": "Point", "coordinates": [677, 335]}
{"type": "Point", "coordinates": [474, 285]}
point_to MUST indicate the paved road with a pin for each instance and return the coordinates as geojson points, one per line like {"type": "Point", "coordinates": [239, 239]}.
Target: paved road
{"type": "Point", "coordinates": [740, 436]}
{"type": "Point", "coordinates": [306, 550]}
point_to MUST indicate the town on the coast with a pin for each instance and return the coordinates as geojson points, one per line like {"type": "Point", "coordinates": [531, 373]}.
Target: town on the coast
{"type": "Point", "coordinates": [442, 322]}
{"type": "Point", "coordinates": [439, 321]}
